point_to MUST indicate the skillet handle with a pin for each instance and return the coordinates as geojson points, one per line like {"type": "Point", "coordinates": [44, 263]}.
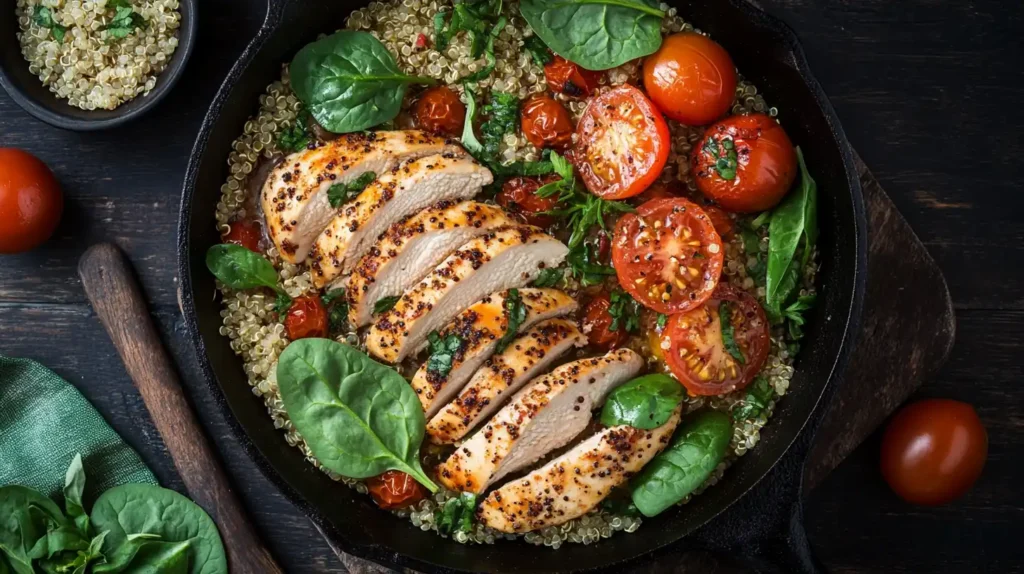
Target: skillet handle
{"type": "Point", "coordinates": [275, 11]}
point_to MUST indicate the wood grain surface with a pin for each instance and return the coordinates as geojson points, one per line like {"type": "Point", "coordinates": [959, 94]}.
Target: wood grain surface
{"type": "Point", "coordinates": [927, 91]}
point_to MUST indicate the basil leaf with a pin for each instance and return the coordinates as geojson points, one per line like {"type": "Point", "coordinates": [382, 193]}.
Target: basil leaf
{"type": "Point", "coordinates": [585, 267]}
{"type": "Point", "coordinates": [27, 518]}
{"type": "Point", "coordinates": [759, 395]}
{"type": "Point", "coordinates": [442, 353]}
{"type": "Point", "coordinates": [788, 226]}
{"type": "Point", "coordinates": [239, 268]}
{"type": "Point", "coordinates": [549, 277]}
{"type": "Point", "coordinates": [349, 81]}
{"type": "Point", "coordinates": [358, 417]}
{"type": "Point", "coordinates": [729, 332]}
{"type": "Point", "coordinates": [515, 314]}
{"type": "Point", "coordinates": [384, 305]}
{"type": "Point", "coordinates": [341, 193]}
{"type": "Point", "coordinates": [130, 510]}
{"type": "Point", "coordinates": [538, 50]}
{"type": "Point", "coordinates": [644, 403]}
{"type": "Point", "coordinates": [697, 448]}
{"type": "Point", "coordinates": [74, 486]}
{"type": "Point", "coordinates": [457, 514]}
{"type": "Point", "coordinates": [596, 34]}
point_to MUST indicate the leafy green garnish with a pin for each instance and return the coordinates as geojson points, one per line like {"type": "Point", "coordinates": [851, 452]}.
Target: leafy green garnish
{"type": "Point", "coordinates": [644, 403]}
{"type": "Point", "coordinates": [726, 158]}
{"type": "Point", "coordinates": [482, 21]}
{"type": "Point", "coordinates": [662, 320]}
{"type": "Point", "coordinates": [442, 353]}
{"type": "Point", "coordinates": [125, 21]}
{"type": "Point", "coordinates": [729, 332]}
{"type": "Point", "coordinates": [349, 81]}
{"type": "Point", "coordinates": [238, 268]}
{"type": "Point", "coordinates": [282, 303]}
{"type": "Point", "coordinates": [585, 267]}
{"type": "Point", "coordinates": [457, 514]}
{"type": "Point", "coordinates": [582, 210]}
{"type": "Point", "coordinates": [341, 193]}
{"type": "Point", "coordinates": [549, 277]}
{"type": "Point", "coordinates": [337, 309]}
{"type": "Point", "coordinates": [793, 222]}
{"type": "Point", "coordinates": [502, 119]}
{"type": "Point", "coordinates": [43, 17]}
{"type": "Point", "coordinates": [625, 312]}
{"type": "Point", "coordinates": [794, 315]}
{"type": "Point", "coordinates": [295, 137]}
{"type": "Point", "coordinates": [515, 314]}
{"type": "Point", "coordinates": [538, 50]}
{"type": "Point", "coordinates": [385, 304]}
{"type": "Point", "coordinates": [759, 395]}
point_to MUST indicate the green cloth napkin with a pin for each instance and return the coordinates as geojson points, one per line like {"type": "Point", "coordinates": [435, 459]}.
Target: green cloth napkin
{"type": "Point", "coordinates": [44, 422]}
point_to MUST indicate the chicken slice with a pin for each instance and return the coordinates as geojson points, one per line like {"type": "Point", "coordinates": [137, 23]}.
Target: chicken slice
{"type": "Point", "coordinates": [503, 259]}
{"type": "Point", "coordinates": [577, 481]}
{"type": "Point", "coordinates": [502, 375]}
{"type": "Point", "coordinates": [412, 248]}
{"type": "Point", "coordinates": [479, 329]}
{"type": "Point", "coordinates": [403, 191]}
{"type": "Point", "coordinates": [294, 197]}
{"type": "Point", "coordinates": [545, 415]}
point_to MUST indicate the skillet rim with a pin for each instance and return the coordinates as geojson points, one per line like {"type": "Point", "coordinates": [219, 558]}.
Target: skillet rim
{"type": "Point", "coordinates": [785, 36]}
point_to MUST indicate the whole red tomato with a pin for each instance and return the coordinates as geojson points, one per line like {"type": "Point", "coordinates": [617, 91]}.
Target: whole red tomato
{"type": "Point", "coordinates": [546, 123]}
{"type": "Point", "coordinates": [691, 79]}
{"type": "Point", "coordinates": [565, 77]}
{"type": "Point", "coordinates": [440, 110]}
{"type": "Point", "coordinates": [307, 317]}
{"type": "Point", "coordinates": [933, 451]}
{"type": "Point", "coordinates": [519, 196]}
{"type": "Point", "coordinates": [31, 202]}
{"type": "Point", "coordinates": [246, 233]}
{"type": "Point", "coordinates": [395, 489]}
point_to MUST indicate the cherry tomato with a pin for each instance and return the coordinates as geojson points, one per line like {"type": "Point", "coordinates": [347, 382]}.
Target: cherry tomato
{"type": "Point", "coordinates": [246, 233]}
{"type": "Point", "coordinates": [702, 354]}
{"type": "Point", "coordinates": [31, 202]}
{"type": "Point", "coordinates": [720, 219]}
{"type": "Point", "coordinates": [306, 318]}
{"type": "Point", "coordinates": [659, 190]}
{"type": "Point", "coordinates": [691, 79]}
{"type": "Point", "coordinates": [933, 451]}
{"type": "Point", "coordinates": [546, 123]}
{"type": "Point", "coordinates": [565, 77]}
{"type": "Point", "coordinates": [668, 255]}
{"type": "Point", "coordinates": [745, 163]}
{"type": "Point", "coordinates": [622, 143]}
{"type": "Point", "coordinates": [395, 489]}
{"type": "Point", "coordinates": [519, 196]}
{"type": "Point", "coordinates": [440, 110]}
{"type": "Point", "coordinates": [597, 323]}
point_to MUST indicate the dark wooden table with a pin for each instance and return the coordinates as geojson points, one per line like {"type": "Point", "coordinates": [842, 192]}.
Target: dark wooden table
{"type": "Point", "coordinates": [929, 93]}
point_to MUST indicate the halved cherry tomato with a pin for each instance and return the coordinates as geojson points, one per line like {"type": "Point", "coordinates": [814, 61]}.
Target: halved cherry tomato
{"type": "Point", "coordinates": [701, 354]}
{"type": "Point", "coordinates": [440, 110]}
{"type": "Point", "coordinates": [565, 77]}
{"type": "Point", "coordinates": [307, 317]}
{"type": "Point", "coordinates": [546, 123]}
{"type": "Point", "coordinates": [745, 163]}
{"type": "Point", "coordinates": [597, 322]}
{"type": "Point", "coordinates": [395, 489]}
{"type": "Point", "coordinates": [519, 196]}
{"type": "Point", "coordinates": [691, 78]}
{"type": "Point", "coordinates": [668, 255]}
{"type": "Point", "coordinates": [720, 219]}
{"type": "Point", "coordinates": [31, 202]}
{"type": "Point", "coordinates": [622, 143]}
{"type": "Point", "coordinates": [246, 233]}
{"type": "Point", "coordinates": [933, 451]}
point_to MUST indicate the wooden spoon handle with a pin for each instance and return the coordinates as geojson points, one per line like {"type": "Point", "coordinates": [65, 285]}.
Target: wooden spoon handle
{"type": "Point", "coordinates": [115, 295]}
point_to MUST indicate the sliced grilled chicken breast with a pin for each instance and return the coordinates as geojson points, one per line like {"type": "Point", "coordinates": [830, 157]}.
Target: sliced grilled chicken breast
{"type": "Point", "coordinates": [503, 259]}
{"type": "Point", "coordinates": [397, 194]}
{"type": "Point", "coordinates": [294, 197]}
{"type": "Point", "coordinates": [575, 482]}
{"type": "Point", "coordinates": [479, 329]}
{"type": "Point", "coordinates": [545, 415]}
{"type": "Point", "coordinates": [501, 376]}
{"type": "Point", "coordinates": [412, 248]}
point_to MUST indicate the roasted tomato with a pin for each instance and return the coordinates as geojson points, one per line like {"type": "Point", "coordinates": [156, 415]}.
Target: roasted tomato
{"type": "Point", "coordinates": [519, 196]}
{"type": "Point", "coordinates": [546, 123]}
{"type": "Point", "coordinates": [597, 322]}
{"type": "Point", "coordinates": [307, 317]}
{"type": "Point", "coordinates": [30, 201]}
{"type": "Point", "coordinates": [691, 79]}
{"type": "Point", "coordinates": [745, 163]}
{"type": "Point", "coordinates": [440, 110]}
{"type": "Point", "coordinates": [246, 233]}
{"type": "Point", "coordinates": [720, 219]}
{"type": "Point", "coordinates": [933, 451]}
{"type": "Point", "coordinates": [668, 255]}
{"type": "Point", "coordinates": [565, 77]}
{"type": "Point", "coordinates": [622, 143]}
{"type": "Point", "coordinates": [720, 346]}
{"type": "Point", "coordinates": [395, 489]}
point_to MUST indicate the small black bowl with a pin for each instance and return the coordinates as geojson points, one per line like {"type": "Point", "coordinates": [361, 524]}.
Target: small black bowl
{"type": "Point", "coordinates": [37, 99]}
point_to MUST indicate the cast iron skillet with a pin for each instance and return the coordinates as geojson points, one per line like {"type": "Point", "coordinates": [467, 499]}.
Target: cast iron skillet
{"type": "Point", "coordinates": [765, 525]}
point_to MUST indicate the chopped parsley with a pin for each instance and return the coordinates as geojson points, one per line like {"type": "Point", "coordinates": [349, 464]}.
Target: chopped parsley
{"type": "Point", "coordinates": [582, 210]}
{"type": "Point", "coordinates": [794, 316]}
{"type": "Point", "coordinates": [442, 353]}
{"type": "Point", "coordinates": [504, 111]}
{"type": "Point", "coordinates": [341, 193]}
{"type": "Point", "coordinates": [538, 49]}
{"type": "Point", "coordinates": [282, 303]}
{"type": "Point", "coordinates": [43, 17]}
{"type": "Point", "coordinates": [125, 21]}
{"type": "Point", "coordinates": [337, 309]}
{"type": "Point", "coordinates": [549, 277]}
{"type": "Point", "coordinates": [726, 158]}
{"type": "Point", "coordinates": [296, 137]}
{"type": "Point", "coordinates": [662, 320]}
{"type": "Point", "coordinates": [625, 312]}
{"type": "Point", "coordinates": [585, 267]}
{"type": "Point", "coordinates": [759, 395]}
{"type": "Point", "coordinates": [482, 21]}
{"type": "Point", "coordinates": [515, 312]}
{"type": "Point", "coordinates": [729, 333]}
{"type": "Point", "coordinates": [457, 514]}
{"type": "Point", "coordinates": [384, 305]}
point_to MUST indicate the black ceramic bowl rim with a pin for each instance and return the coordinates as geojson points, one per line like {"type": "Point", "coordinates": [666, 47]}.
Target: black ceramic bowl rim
{"type": "Point", "coordinates": [46, 106]}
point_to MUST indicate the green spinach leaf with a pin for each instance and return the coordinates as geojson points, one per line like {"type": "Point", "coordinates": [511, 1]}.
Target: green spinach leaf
{"type": "Point", "coordinates": [789, 225]}
{"type": "Point", "coordinates": [341, 193]}
{"type": "Point", "coordinates": [349, 81]}
{"type": "Point", "coordinates": [759, 395]}
{"type": "Point", "coordinates": [457, 514]}
{"type": "Point", "coordinates": [644, 403]}
{"type": "Point", "coordinates": [696, 449]}
{"type": "Point", "coordinates": [385, 304]}
{"type": "Point", "coordinates": [359, 417]}
{"type": "Point", "coordinates": [27, 517]}
{"type": "Point", "coordinates": [239, 268]}
{"type": "Point", "coordinates": [74, 486]}
{"type": "Point", "coordinates": [596, 34]}
{"type": "Point", "coordinates": [442, 353]}
{"type": "Point", "coordinates": [515, 315]}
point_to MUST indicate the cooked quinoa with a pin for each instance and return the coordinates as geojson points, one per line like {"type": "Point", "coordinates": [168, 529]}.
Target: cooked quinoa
{"type": "Point", "coordinates": [91, 68]}
{"type": "Point", "coordinates": [258, 336]}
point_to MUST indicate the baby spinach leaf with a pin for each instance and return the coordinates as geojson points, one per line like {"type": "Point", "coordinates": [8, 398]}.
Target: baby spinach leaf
{"type": "Point", "coordinates": [696, 449]}
{"type": "Point", "coordinates": [385, 304]}
{"type": "Point", "coordinates": [239, 268]}
{"type": "Point", "coordinates": [27, 517]}
{"type": "Point", "coordinates": [129, 510]}
{"type": "Point", "coordinates": [442, 353]}
{"type": "Point", "coordinates": [515, 314]}
{"type": "Point", "coordinates": [729, 332]}
{"type": "Point", "coordinates": [148, 555]}
{"type": "Point", "coordinates": [359, 417]}
{"type": "Point", "coordinates": [341, 193]}
{"type": "Point", "coordinates": [74, 485]}
{"type": "Point", "coordinates": [790, 223]}
{"type": "Point", "coordinates": [759, 394]}
{"type": "Point", "coordinates": [457, 514]}
{"type": "Point", "coordinates": [644, 403]}
{"type": "Point", "coordinates": [349, 81]}
{"type": "Point", "coordinates": [596, 34]}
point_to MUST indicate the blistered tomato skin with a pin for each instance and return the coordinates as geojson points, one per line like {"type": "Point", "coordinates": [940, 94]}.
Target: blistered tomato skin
{"type": "Point", "coordinates": [691, 79]}
{"type": "Point", "coordinates": [246, 233]}
{"type": "Point", "coordinates": [440, 110]}
{"type": "Point", "coordinates": [519, 196]}
{"type": "Point", "coordinates": [597, 322]}
{"type": "Point", "coordinates": [394, 490]}
{"type": "Point", "coordinates": [307, 317]}
{"type": "Point", "coordinates": [31, 201]}
{"type": "Point", "coordinates": [546, 123]}
{"type": "Point", "coordinates": [745, 164]}
{"type": "Point", "coordinates": [565, 77]}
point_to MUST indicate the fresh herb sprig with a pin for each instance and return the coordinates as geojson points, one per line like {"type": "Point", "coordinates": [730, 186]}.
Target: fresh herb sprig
{"type": "Point", "coordinates": [585, 266]}
{"type": "Point", "coordinates": [549, 277]}
{"type": "Point", "coordinates": [337, 309]}
{"type": "Point", "coordinates": [625, 312]}
{"type": "Point", "coordinates": [515, 314]}
{"type": "Point", "coordinates": [729, 333]}
{"type": "Point", "coordinates": [503, 120]}
{"type": "Point", "coordinates": [341, 193]}
{"type": "Point", "coordinates": [385, 304]}
{"type": "Point", "coordinates": [296, 137]}
{"type": "Point", "coordinates": [457, 514]}
{"type": "Point", "coordinates": [582, 210]}
{"type": "Point", "coordinates": [442, 353]}
{"type": "Point", "coordinates": [482, 22]}
{"type": "Point", "coordinates": [43, 17]}
{"type": "Point", "coordinates": [125, 21]}
{"type": "Point", "coordinates": [239, 268]}
{"type": "Point", "coordinates": [759, 395]}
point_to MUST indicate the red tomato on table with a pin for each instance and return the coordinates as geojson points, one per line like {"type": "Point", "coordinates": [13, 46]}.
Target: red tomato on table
{"type": "Point", "coordinates": [519, 196]}
{"type": "Point", "coordinates": [395, 489]}
{"type": "Point", "coordinates": [440, 110]}
{"type": "Point", "coordinates": [691, 78]}
{"type": "Point", "coordinates": [546, 123]}
{"type": "Point", "coordinates": [307, 317]}
{"type": "Point", "coordinates": [668, 255]}
{"type": "Point", "coordinates": [565, 77]}
{"type": "Point", "coordinates": [31, 202]}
